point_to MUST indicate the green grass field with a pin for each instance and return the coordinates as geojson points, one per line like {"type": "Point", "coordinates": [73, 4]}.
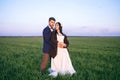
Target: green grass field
{"type": "Point", "coordinates": [94, 58]}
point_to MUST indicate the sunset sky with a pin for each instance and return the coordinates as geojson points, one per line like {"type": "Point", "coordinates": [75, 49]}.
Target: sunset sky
{"type": "Point", "coordinates": [78, 17]}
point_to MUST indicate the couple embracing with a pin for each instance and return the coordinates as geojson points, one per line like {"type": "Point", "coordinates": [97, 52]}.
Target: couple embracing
{"type": "Point", "coordinates": [55, 45]}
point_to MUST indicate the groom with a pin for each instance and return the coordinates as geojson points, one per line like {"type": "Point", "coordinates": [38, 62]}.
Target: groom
{"type": "Point", "coordinates": [49, 47]}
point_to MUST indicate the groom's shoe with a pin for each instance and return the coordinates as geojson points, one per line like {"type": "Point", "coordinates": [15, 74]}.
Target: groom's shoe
{"type": "Point", "coordinates": [42, 72]}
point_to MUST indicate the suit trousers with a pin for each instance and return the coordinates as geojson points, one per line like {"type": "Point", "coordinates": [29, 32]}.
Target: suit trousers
{"type": "Point", "coordinates": [44, 61]}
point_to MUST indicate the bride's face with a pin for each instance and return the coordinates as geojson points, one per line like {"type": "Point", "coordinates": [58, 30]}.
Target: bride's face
{"type": "Point", "coordinates": [57, 26]}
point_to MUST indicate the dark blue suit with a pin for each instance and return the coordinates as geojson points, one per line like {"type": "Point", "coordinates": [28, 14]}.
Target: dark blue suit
{"type": "Point", "coordinates": [47, 43]}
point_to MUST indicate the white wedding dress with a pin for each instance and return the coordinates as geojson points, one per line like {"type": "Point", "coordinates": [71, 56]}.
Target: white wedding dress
{"type": "Point", "coordinates": [61, 63]}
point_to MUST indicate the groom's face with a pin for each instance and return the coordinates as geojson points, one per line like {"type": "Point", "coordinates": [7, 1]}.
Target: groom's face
{"type": "Point", "coordinates": [51, 23]}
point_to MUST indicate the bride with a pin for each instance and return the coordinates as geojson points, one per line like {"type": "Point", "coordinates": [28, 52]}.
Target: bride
{"type": "Point", "coordinates": [61, 63]}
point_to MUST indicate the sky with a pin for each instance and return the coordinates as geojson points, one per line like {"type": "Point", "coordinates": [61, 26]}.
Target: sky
{"type": "Point", "coordinates": [78, 17]}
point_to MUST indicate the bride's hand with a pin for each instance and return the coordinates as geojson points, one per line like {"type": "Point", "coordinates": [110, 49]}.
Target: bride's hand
{"type": "Point", "coordinates": [64, 45]}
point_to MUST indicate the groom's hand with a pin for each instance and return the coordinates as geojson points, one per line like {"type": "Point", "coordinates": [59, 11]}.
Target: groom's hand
{"type": "Point", "coordinates": [60, 44]}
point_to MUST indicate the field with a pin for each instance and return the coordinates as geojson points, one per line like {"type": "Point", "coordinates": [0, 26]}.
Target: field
{"type": "Point", "coordinates": [94, 58]}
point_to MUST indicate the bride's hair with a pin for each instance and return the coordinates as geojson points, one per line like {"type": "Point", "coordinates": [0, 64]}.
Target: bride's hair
{"type": "Point", "coordinates": [60, 27]}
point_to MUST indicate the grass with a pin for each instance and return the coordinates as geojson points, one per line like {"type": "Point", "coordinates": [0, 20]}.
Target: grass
{"type": "Point", "coordinates": [94, 58]}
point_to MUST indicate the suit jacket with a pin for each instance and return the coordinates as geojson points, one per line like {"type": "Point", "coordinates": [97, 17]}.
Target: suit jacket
{"type": "Point", "coordinates": [47, 43]}
{"type": "Point", "coordinates": [53, 50]}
